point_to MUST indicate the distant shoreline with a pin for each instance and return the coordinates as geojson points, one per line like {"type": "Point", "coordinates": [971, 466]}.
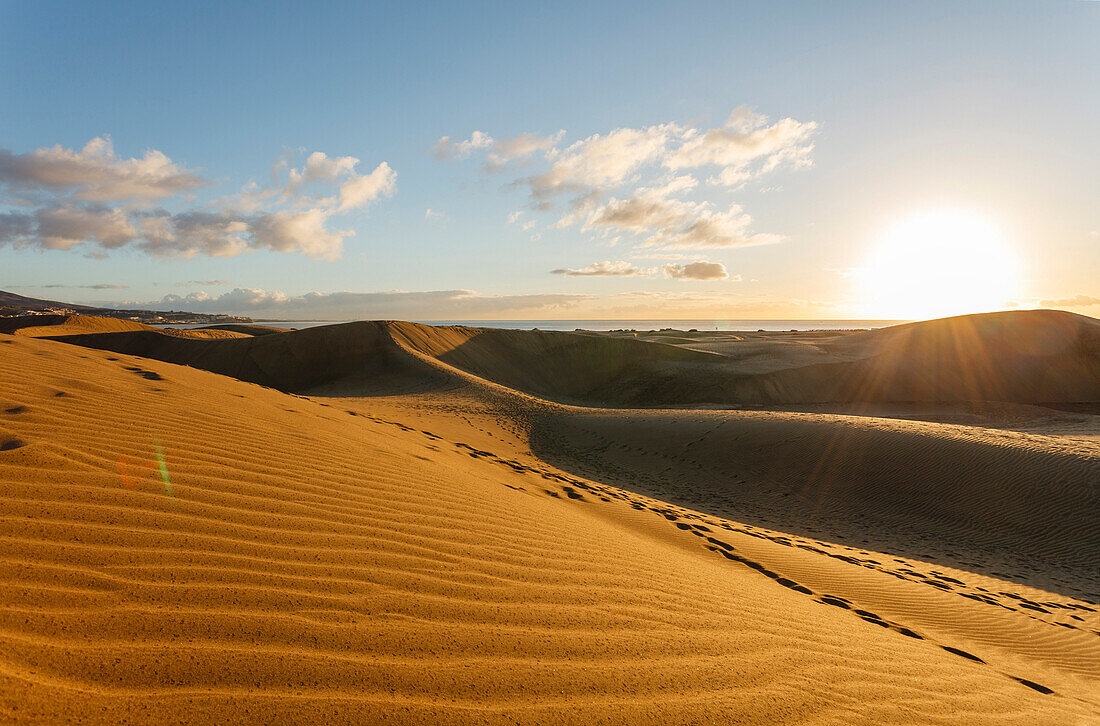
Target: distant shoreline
{"type": "Point", "coordinates": [567, 325]}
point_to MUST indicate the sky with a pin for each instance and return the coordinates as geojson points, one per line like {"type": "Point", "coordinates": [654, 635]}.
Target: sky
{"type": "Point", "coordinates": [466, 161]}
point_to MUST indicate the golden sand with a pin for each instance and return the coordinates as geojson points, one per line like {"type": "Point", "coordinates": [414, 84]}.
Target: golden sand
{"type": "Point", "coordinates": [416, 541]}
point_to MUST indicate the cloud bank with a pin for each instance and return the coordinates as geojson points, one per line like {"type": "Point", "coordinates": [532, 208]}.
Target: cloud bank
{"type": "Point", "coordinates": [603, 269]}
{"type": "Point", "coordinates": [60, 199]}
{"type": "Point", "coordinates": [426, 305]}
{"type": "Point", "coordinates": [696, 271]}
{"type": "Point", "coordinates": [1077, 301]}
{"type": "Point", "coordinates": [95, 174]}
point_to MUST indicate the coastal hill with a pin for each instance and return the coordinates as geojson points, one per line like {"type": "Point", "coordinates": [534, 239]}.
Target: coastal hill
{"type": "Point", "coordinates": [14, 305]}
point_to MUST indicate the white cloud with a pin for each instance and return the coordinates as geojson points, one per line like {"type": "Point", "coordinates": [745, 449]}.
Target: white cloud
{"type": "Point", "coordinates": [746, 138]}
{"type": "Point", "coordinates": [1077, 301]}
{"type": "Point", "coordinates": [319, 167]}
{"type": "Point", "coordinates": [95, 174]}
{"type": "Point", "coordinates": [229, 233]}
{"type": "Point", "coordinates": [215, 234]}
{"type": "Point", "coordinates": [448, 148]}
{"type": "Point", "coordinates": [602, 161]}
{"type": "Point", "coordinates": [61, 228]}
{"type": "Point", "coordinates": [60, 184]}
{"type": "Point", "coordinates": [303, 232]}
{"type": "Point", "coordinates": [426, 305]}
{"type": "Point", "coordinates": [710, 229]}
{"type": "Point", "coordinates": [513, 148]}
{"type": "Point", "coordinates": [643, 180]}
{"type": "Point", "coordinates": [660, 220]}
{"type": "Point", "coordinates": [353, 189]}
{"type": "Point", "coordinates": [499, 152]}
{"type": "Point", "coordinates": [363, 190]}
{"type": "Point", "coordinates": [697, 300]}
{"type": "Point", "coordinates": [603, 269]}
{"type": "Point", "coordinates": [698, 270]}
{"type": "Point", "coordinates": [731, 176]}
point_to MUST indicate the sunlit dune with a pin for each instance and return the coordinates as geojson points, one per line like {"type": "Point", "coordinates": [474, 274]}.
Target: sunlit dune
{"type": "Point", "coordinates": [1038, 356]}
{"type": "Point", "coordinates": [416, 540]}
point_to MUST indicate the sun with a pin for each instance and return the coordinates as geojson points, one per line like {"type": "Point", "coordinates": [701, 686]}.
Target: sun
{"type": "Point", "coordinates": [936, 264]}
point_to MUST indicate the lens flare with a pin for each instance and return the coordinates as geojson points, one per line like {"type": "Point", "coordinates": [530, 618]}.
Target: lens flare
{"type": "Point", "coordinates": [133, 471]}
{"type": "Point", "coordinates": [163, 465]}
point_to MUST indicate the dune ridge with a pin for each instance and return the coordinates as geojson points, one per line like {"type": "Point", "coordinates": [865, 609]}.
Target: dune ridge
{"type": "Point", "coordinates": [1036, 356]}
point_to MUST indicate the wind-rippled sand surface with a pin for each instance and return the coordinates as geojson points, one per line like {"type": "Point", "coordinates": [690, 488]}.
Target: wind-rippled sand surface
{"type": "Point", "coordinates": [177, 545]}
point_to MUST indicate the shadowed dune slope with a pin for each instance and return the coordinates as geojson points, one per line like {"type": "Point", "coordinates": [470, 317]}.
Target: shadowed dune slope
{"type": "Point", "coordinates": [1027, 356]}
{"type": "Point", "coordinates": [288, 361]}
{"type": "Point", "coordinates": [1038, 356]}
{"type": "Point", "coordinates": [547, 363]}
{"type": "Point", "coordinates": [1024, 506]}
{"type": "Point", "coordinates": [178, 546]}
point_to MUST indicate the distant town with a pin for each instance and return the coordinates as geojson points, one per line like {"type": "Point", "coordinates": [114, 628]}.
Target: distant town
{"type": "Point", "coordinates": [13, 305]}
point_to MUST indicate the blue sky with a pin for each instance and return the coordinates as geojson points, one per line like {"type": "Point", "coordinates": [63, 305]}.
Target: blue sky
{"type": "Point", "coordinates": [891, 110]}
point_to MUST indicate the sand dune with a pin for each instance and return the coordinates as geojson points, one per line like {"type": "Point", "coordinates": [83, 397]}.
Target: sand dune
{"type": "Point", "coordinates": [40, 326]}
{"type": "Point", "coordinates": [416, 541]}
{"type": "Point", "coordinates": [246, 328]}
{"type": "Point", "coordinates": [1019, 505]}
{"type": "Point", "coordinates": [1038, 356]}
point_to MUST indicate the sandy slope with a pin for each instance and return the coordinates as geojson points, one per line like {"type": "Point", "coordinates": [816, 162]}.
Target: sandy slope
{"type": "Point", "coordinates": [416, 557]}
{"type": "Point", "coordinates": [1024, 357]}
{"type": "Point", "coordinates": [1026, 503]}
